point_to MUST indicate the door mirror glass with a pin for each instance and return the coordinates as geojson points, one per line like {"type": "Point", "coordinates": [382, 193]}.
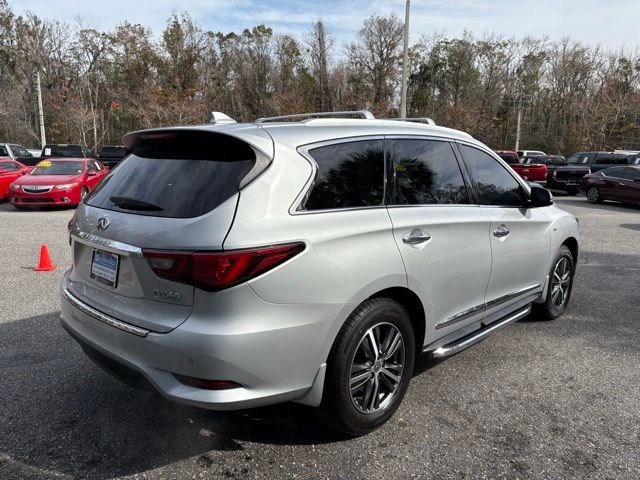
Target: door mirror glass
{"type": "Point", "coordinates": [637, 179]}
{"type": "Point", "coordinates": [540, 197]}
{"type": "Point", "coordinates": [91, 173]}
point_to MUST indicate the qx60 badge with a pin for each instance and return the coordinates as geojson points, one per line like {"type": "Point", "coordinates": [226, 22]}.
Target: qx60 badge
{"type": "Point", "coordinates": [103, 223]}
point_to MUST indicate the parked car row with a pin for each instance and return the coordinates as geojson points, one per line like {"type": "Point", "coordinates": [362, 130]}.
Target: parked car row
{"type": "Point", "coordinates": [601, 175]}
{"type": "Point", "coordinates": [109, 155]}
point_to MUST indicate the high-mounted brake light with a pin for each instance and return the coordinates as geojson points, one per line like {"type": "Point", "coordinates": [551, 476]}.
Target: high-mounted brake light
{"type": "Point", "coordinates": [213, 271]}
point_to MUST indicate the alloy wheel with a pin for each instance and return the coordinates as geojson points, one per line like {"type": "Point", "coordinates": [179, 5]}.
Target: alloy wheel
{"type": "Point", "coordinates": [593, 194]}
{"type": "Point", "coordinates": [560, 283]}
{"type": "Point", "coordinates": [377, 368]}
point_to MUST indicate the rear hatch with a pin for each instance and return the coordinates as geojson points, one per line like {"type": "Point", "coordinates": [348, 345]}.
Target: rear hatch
{"type": "Point", "coordinates": [176, 191]}
{"type": "Point", "coordinates": [570, 175]}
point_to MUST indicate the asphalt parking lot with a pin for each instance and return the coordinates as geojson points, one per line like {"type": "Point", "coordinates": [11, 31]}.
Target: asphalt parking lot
{"type": "Point", "coordinates": [537, 400]}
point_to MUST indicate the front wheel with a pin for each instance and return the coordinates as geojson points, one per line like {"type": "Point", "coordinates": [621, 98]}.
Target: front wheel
{"type": "Point", "coordinates": [369, 368]}
{"type": "Point", "coordinates": [560, 285]}
{"type": "Point", "coordinates": [593, 195]}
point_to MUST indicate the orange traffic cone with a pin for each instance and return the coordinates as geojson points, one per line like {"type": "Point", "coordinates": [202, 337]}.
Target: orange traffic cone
{"type": "Point", "coordinates": [45, 264]}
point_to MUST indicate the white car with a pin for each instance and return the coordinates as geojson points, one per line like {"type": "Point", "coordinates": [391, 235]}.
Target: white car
{"type": "Point", "coordinates": [237, 265]}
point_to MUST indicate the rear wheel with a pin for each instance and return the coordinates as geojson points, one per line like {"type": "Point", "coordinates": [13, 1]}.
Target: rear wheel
{"type": "Point", "coordinates": [593, 195]}
{"type": "Point", "coordinates": [560, 285]}
{"type": "Point", "coordinates": [572, 191]}
{"type": "Point", "coordinates": [369, 368]}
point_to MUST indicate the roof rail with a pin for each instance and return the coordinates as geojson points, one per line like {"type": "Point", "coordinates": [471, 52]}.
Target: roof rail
{"type": "Point", "coordinates": [427, 120]}
{"type": "Point", "coordinates": [366, 114]}
{"type": "Point", "coordinates": [221, 118]}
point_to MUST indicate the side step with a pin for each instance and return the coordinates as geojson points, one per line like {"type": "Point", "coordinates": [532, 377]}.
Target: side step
{"type": "Point", "coordinates": [475, 337]}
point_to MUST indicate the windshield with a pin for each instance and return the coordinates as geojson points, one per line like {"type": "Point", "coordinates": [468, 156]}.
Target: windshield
{"type": "Point", "coordinates": [58, 168]}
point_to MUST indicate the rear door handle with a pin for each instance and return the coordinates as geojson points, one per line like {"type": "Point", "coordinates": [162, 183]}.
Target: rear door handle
{"type": "Point", "coordinates": [501, 231]}
{"type": "Point", "coordinates": [416, 237]}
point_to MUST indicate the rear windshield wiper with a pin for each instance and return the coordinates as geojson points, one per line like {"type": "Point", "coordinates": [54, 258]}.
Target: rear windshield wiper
{"type": "Point", "coordinates": [133, 204]}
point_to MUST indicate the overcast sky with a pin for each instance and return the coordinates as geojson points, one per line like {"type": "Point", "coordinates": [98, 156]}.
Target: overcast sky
{"type": "Point", "coordinates": [612, 24]}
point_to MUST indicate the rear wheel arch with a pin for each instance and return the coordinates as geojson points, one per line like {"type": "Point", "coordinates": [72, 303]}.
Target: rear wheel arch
{"type": "Point", "coordinates": [414, 308]}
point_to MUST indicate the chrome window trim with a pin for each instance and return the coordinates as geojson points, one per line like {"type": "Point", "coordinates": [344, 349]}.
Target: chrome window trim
{"type": "Point", "coordinates": [102, 317]}
{"type": "Point", "coordinates": [297, 205]}
{"type": "Point", "coordinates": [106, 244]}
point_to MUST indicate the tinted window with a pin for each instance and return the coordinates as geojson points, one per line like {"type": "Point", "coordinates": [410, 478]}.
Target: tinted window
{"type": "Point", "coordinates": [9, 166]}
{"type": "Point", "coordinates": [349, 175]}
{"type": "Point", "coordinates": [608, 159]}
{"type": "Point", "coordinates": [179, 175]}
{"type": "Point", "coordinates": [113, 152]}
{"type": "Point", "coordinates": [3, 151]}
{"type": "Point", "coordinates": [70, 151]}
{"type": "Point", "coordinates": [578, 159]}
{"type": "Point", "coordinates": [631, 173]}
{"type": "Point", "coordinates": [426, 172]}
{"type": "Point", "coordinates": [617, 172]}
{"type": "Point", "coordinates": [509, 157]}
{"type": "Point", "coordinates": [494, 184]}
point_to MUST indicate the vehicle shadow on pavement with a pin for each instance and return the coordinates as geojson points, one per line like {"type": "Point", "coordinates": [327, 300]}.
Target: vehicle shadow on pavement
{"type": "Point", "coordinates": [61, 414]}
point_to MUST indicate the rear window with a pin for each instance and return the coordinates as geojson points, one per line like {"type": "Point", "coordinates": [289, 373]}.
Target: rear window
{"type": "Point", "coordinates": [113, 152]}
{"type": "Point", "coordinates": [177, 175]}
{"type": "Point", "coordinates": [509, 157]}
{"type": "Point", "coordinates": [612, 159]}
{"type": "Point", "coordinates": [3, 152]}
{"type": "Point", "coordinates": [70, 151]}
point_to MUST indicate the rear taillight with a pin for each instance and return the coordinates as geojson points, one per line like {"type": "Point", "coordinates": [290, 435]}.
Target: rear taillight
{"type": "Point", "coordinates": [217, 270]}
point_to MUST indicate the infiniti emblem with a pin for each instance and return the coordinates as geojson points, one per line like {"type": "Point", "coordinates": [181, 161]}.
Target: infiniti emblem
{"type": "Point", "coordinates": [103, 223]}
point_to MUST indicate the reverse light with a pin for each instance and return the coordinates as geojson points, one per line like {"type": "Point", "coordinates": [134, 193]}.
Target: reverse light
{"type": "Point", "coordinates": [65, 186]}
{"type": "Point", "coordinates": [213, 271]}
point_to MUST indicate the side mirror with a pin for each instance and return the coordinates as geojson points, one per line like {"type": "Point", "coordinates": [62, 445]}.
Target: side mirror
{"type": "Point", "coordinates": [91, 173]}
{"type": "Point", "coordinates": [540, 197]}
{"type": "Point", "coordinates": [637, 179]}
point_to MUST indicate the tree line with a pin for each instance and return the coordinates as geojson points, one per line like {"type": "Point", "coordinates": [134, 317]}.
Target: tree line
{"type": "Point", "coordinates": [98, 85]}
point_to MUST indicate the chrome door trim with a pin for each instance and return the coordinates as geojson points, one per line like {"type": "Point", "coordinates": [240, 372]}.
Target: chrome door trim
{"type": "Point", "coordinates": [511, 296]}
{"type": "Point", "coordinates": [107, 244]}
{"type": "Point", "coordinates": [102, 317]}
{"type": "Point", "coordinates": [470, 312]}
{"type": "Point", "coordinates": [458, 317]}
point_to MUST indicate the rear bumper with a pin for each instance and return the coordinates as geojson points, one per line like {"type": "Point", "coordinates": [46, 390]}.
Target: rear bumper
{"type": "Point", "coordinates": [563, 184]}
{"type": "Point", "coordinates": [277, 356]}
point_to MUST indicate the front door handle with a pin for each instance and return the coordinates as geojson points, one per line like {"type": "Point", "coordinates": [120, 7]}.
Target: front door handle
{"type": "Point", "coordinates": [501, 231]}
{"type": "Point", "coordinates": [416, 237]}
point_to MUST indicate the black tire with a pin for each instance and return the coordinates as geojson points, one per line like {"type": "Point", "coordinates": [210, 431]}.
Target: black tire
{"type": "Point", "coordinates": [338, 409]}
{"type": "Point", "coordinates": [550, 310]}
{"type": "Point", "coordinates": [593, 195]}
{"type": "Point", "coordinates": [572, 191]}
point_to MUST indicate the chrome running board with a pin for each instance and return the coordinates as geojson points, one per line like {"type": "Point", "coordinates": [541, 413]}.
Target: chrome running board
{"type": "Point", "coordinates": [475, 337]}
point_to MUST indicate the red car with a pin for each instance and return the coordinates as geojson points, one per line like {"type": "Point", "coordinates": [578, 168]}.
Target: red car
{"type": "Point", "coordinates": [532, 172]}
{"type": "Point", "coordinates": [57, 182]}
{"type": "Point", "coordinates": [9, 171]}
{"type": "Point", "coordinates": [621, 184]}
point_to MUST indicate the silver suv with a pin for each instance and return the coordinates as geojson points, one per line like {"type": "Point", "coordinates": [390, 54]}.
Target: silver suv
{"type": "Point", "coordinates": [237, 265]}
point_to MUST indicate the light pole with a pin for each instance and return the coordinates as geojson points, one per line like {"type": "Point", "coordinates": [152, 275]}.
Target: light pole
{"type": "Point", "coordinates": [405, 61]}
{"type": "Point", "coordinates": [43, 137]}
